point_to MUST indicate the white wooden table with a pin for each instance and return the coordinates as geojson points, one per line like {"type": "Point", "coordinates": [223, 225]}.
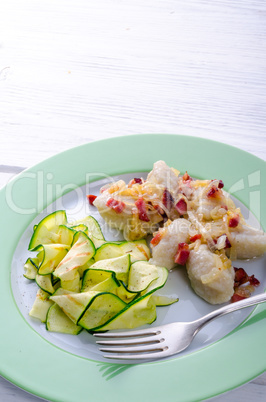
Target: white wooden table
{"type": "Point", "coordinates": [76, 71]}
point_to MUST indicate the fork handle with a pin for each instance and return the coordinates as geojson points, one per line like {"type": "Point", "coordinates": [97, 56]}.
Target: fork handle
{"type": "Point", "coordinates": [250, 301]}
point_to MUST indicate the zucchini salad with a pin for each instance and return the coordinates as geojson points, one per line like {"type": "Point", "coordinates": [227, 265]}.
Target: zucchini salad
{"type": "Point", "coordinates": [87, 282]}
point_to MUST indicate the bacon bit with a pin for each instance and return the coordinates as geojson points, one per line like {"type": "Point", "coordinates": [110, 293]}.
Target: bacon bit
{"type": "Point", "coordinates": [181, 206]}
{"type": "Point", "coordinates": [91, 198]}
{"type": "Point", "coordinates": [227, 243]}
{"type": "Point", "coordinates": [156, 239]}
{"type": "Point", "coordinates": [253, 281]}
{"type": "Point", "coordinates": [224, 207]}
{"type": "Point", "coordinates": [136, 180]}
{"type": "Point", "coordinates": [117, 206]}
{"type": "Point", "coordinates": [140, 204]}
{"type": "Point", "coordinates": [220, 183]}
{"type": "Point", "coordinates": [182, 254]}
{"type": "Point", "coordinates": [242, 277]}
{"type": "Point", "coordinates": [234, 221]}
{"type": "Point", "coordinates": [214, 192]}
{"type": "Point", "coordinates": [195, 237]}
{"type": "Point", "coordinates": [236, 297]}
{"type": "Point", "coordinates": [186, 177]}
{"type": "Point", "coordinates": [243, 291]}
{"type": "Point", "coordinates": [167, 199]}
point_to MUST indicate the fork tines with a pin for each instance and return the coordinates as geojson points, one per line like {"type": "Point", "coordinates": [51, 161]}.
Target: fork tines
{"type": "Point", "coordinates": [128, 334]}
{"type": "Point", "coordinates": [149, 344]}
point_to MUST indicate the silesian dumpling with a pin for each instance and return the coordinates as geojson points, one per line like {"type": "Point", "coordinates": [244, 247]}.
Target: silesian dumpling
{"type": "Point", "coordinates": [164, 253]}
{"type": "Point", "coordinates": [136, 208]}
{"type": "Point", "coordinates": [248, 242]}
{"type": "Point", "coordinates": [211, 275]}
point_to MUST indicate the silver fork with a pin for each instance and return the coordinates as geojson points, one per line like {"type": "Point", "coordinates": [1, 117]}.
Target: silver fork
{"type": "Point", "coordinates": [165, 340]}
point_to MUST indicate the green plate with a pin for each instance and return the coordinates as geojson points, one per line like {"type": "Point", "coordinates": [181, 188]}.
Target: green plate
{"type": "Point", "coordinates": [36, 365]}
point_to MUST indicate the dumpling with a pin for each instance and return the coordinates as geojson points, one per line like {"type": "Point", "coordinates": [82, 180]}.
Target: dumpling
{"type": "Point", "coordinates": [163, 253]}
{"type": "Point", "coordinates": [136, 208]}
{"type": "Point", "coordinates": [164, 176]}
{"type": "Point", "coordinates": [248, 242]}
{"type": "Point", "coordinates": [209, 200]}
{"type": "Point", "coordinates": [130, 208]}
{"type": "Point", "coordinates": [211, 275]}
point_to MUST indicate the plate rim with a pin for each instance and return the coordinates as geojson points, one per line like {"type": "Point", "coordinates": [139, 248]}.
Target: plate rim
{"type": "Point", "coordinates": [110, 151]}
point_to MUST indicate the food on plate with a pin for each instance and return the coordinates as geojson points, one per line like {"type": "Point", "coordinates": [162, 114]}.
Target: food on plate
{"type": "Point", "coordinates": [211, 274]}
{"type": "Point", "coordinates": [167, 239]}
{"type": "Point", "coordinates": [136, 208]}
{"type": "Point", "coordinates": [86, 282]}
{"type": "Point", "coordinates": [194, 223]}
{"type": "Point", "coordinates": [248, 242]}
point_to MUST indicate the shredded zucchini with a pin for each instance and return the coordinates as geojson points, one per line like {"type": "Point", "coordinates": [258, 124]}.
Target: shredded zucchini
{"type": "Point", "coordinates": [86, 282]}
